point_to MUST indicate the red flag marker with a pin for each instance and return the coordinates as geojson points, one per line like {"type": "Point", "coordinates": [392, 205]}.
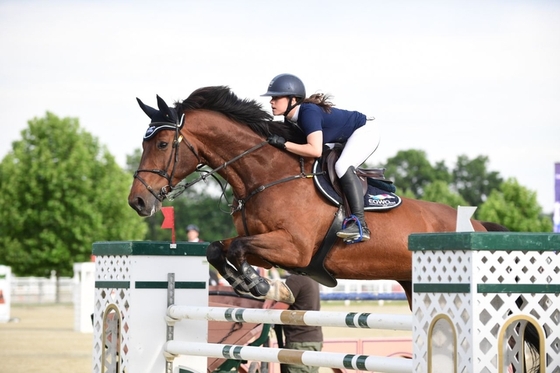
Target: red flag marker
{"type": "Point", "coordinates": [169, 221]}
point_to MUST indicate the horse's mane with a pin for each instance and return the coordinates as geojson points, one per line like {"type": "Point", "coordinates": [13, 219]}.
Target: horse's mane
{"type": "Point", "coordinates": [243, 111]}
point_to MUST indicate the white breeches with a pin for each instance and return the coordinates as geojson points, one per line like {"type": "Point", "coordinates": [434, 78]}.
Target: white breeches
{"type": "Point", "coordinates": [362, 144]}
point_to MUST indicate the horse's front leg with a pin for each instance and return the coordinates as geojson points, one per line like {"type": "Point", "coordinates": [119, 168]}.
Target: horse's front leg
{"type": "Point", "coordinates": [267, 249]}
{"type": "Point", "coordinates": [246, 280]}
{"type": "Point", "coordinates": [215, 253]}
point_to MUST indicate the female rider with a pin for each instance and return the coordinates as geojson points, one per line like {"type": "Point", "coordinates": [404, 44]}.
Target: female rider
{"type": "Point", "coordinates": [324, 124]}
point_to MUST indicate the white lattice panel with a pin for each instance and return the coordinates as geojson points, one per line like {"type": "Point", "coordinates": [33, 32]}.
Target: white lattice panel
{"type": "Point", "coordinates": [441, 267]}
{"type": "Point", "coordinates": [133, 290]}
{"type": "Point", "coordinates": [111, 268]}
{"type": "Point", "coordinates": [479, 319]}
{"type": "Point", "coordinates": [516, 267]}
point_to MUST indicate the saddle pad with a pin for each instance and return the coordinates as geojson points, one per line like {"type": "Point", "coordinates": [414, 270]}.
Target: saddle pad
{"type": "Point", "coordinates": [375, 199]}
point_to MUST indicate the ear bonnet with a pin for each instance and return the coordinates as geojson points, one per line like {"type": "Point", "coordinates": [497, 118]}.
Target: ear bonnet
{"type": "Point", "coordinates": [165, 118]}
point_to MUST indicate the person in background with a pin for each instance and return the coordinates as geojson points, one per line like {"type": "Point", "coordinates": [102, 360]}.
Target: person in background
{"type": "Point", "coordinates": [300, 337]}
{"type": "Point", "coordinates": [193, 233]}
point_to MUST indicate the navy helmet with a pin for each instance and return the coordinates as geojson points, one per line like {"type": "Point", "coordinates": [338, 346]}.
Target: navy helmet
{"type": "Point", "coordinates": [286, 85]}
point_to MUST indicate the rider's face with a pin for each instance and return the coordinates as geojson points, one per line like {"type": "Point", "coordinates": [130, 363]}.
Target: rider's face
{"type": "Point", "coordinates": [279, 104]}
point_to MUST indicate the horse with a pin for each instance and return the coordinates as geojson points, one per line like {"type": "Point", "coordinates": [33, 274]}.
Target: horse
{"type": "Point", "coordinates": [280, 217]}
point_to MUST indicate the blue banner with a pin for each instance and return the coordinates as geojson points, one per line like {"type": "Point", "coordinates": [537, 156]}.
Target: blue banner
{"type": "Point", "coordinates": [556, 217]}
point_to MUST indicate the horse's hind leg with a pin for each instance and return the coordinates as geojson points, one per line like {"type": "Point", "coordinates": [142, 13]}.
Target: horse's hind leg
{"type": "Point", "coordinates": [407, 287]}
{"type": "Point", "coordinates": [215, 255]}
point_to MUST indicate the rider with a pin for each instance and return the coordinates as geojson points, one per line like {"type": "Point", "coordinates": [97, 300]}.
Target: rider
{"type": "Point", "coordinates": [324, 124]}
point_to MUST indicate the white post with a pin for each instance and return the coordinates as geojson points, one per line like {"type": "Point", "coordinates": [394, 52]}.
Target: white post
{"type": "Point", "coordinates": [5, 292]}
{"type": "Point", "coordinates": [84, 286]}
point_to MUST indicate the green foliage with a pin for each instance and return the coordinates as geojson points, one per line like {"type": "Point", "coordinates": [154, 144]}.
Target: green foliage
{"type": "Point", "coordinates": [59, 192]}
{"type": "Point", "coordinates": [133, 160]}
{"type": "Point", "coordinates": [473, 181]}
{"type": "Point", "coordinates": [470, 183]}
{"type": "Point", "coordinates": [515, 207]}
{"type": "Point", "coordinates": [439, 191]}
{"type": "Point", "coordinates": [411, 171]}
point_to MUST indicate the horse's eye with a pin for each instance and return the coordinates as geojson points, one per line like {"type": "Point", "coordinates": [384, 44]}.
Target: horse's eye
{"type": "Point", "coordinates": [162, 145]}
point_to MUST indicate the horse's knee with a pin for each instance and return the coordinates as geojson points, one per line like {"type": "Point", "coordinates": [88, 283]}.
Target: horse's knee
{"type": "Point", "coordinates": [236, 253]}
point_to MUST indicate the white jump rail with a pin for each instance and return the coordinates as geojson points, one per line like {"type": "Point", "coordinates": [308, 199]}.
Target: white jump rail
{"type": "Point", "coordinates": [287, 356]}
{"type": "Point", "coordinates": [309, 318]}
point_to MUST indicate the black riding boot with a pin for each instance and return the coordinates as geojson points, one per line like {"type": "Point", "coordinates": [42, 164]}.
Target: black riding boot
{"type": "Point", "coordinates": [352, 188]}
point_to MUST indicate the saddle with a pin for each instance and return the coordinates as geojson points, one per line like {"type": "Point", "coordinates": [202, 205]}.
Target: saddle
{"type": "Point", "coordinates": [379, 192]}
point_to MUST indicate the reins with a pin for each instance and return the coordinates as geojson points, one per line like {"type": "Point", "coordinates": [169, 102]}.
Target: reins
{"type": "Point", "coordinates": [183, 185]}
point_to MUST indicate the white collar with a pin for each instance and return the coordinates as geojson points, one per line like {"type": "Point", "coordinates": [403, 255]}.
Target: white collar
{"type": "Point", "coordinates": [296, 114]}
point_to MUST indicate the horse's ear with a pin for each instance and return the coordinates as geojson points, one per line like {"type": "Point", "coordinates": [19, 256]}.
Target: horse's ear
{"type": "Point", "coordinates": [150, 111]}
{"type": "Point", "coordinates": [170, 114]}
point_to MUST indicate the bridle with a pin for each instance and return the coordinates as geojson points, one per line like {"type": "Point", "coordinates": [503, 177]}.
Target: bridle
{"type": "Point", "coordinates": [173, 157]}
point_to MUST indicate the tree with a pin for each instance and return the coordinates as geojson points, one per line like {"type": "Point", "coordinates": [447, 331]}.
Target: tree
{"type": "Point", "coordinates": [410, 170]}
{"type": "Point", "coordinates": [439, 191]}
{"type": "Point", "coordinates": [59, 192]}
{"type": "Point", "coordinates": [473, 181]}
{"type": "Point", "coordinates": [515, 207]}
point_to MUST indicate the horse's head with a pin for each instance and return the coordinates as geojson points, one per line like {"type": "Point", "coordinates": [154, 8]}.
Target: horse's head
{"type": "Point", "coordinates": [162, 165]}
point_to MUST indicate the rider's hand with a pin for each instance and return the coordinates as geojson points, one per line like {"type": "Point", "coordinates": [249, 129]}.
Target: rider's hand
{"type": "Point", "coordinates": [277, 141]}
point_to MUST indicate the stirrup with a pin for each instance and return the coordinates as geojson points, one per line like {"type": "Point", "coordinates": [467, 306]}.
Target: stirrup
{"type": "Point", "coordinates": [359, 236]}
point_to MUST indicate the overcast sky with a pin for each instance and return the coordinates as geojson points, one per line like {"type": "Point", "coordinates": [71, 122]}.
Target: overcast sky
{"type": "Point", "coordinates": [447, 77]}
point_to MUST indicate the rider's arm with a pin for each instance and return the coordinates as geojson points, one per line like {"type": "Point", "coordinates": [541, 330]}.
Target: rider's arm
{"type": "Point", "coordinates": [313, 148]}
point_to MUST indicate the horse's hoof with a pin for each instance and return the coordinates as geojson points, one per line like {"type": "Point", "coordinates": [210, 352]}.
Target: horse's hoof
{"type": "Point", "coordinates": [280, 292]}
{"type": "Point", "coordinates": [260, 289]}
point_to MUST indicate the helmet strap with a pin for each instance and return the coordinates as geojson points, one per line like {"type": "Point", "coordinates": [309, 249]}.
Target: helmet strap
{"type": "Point", "coordinates": [290, 106]}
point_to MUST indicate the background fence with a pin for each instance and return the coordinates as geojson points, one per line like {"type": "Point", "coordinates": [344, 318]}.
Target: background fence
{"type": "Point", "coordinates": [37, 290]}
{"type": "Point", "coordinates": [34, 290]}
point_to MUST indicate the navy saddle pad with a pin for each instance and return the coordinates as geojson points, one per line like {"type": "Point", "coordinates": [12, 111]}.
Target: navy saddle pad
{"type": "Point", "coordinates": [375, 199]}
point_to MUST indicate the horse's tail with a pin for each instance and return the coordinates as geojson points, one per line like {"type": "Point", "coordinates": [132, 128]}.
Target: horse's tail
{"type": "Point", "coordinates": [533, 343]}
{"type": "Point", "coordinates": [493, 227]}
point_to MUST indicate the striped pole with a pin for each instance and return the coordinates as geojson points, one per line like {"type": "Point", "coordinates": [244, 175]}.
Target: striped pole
{"type": "Point", "coordinates": [309, 318]}
{"type": "Point", "coordinates": [285, 356]}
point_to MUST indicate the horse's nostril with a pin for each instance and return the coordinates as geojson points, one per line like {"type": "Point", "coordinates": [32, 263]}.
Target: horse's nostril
{"type": "Point", "coordinates": [141, 205]}
{"type": "Point", "coordinates": [137, 204]}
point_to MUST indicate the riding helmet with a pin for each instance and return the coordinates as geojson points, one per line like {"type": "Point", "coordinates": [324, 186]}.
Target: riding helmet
{"type": "Point", "coordinates": [286, 85]}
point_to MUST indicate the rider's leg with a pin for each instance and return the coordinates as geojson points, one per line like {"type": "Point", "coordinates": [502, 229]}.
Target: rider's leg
{"type": "Point", "coordinates": [358, 148]}
{"type": "Point", "coordinates": [352, 188]}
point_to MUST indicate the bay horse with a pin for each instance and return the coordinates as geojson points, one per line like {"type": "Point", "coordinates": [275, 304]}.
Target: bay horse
{"type": "Point", "coordinates": [280, 217]}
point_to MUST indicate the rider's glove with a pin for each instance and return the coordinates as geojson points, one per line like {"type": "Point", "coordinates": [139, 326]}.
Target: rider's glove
{"type": "Point", "coordinates": [277, 141]}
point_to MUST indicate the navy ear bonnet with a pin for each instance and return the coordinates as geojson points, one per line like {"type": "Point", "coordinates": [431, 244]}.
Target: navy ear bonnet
{"type": "Point", "coordinates": [165, 118]}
